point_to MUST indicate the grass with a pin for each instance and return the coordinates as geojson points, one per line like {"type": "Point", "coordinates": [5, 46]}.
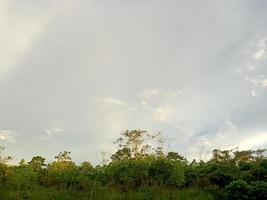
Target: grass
{"type": "Point", "coordinates": [106, 194]}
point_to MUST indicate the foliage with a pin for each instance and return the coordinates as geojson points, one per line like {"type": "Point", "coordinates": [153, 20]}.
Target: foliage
{"type": "Point", "coordinates": [139, 169]}
{"type": "Point", "coordinates": [241, 190]}
{"type": "Point", "coordinates": [3, 158]}
{"type": "Point", "coordinates": [237, 190]}
{"type": "Point", "coordinates": [258, 190]}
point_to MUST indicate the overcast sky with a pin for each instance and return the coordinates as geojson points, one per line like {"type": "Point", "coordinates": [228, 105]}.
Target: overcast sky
{"type": "Point", "coordinates": [74, 74]}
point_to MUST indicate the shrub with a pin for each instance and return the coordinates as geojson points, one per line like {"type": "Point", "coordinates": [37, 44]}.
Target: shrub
{"type": "Point", "coordinates": [167, 172]}
{"type": "Point", "coordinates": [258, 190]}
{"type": "Point", "coordinates": [237, 190]}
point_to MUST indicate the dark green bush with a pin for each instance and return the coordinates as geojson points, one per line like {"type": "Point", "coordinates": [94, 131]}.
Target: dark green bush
{"type": "Point", "coordinates": [258, 190]}
{"type": "Point", "coordinates": [237, 190]}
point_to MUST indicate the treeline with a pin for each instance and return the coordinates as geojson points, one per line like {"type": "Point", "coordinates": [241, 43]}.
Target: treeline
{"type": "Point", "coordinates": [139, 169]}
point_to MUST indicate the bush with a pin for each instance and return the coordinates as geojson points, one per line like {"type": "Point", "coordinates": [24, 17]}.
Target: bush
{"type": "Point", "coordinates": [216, 192]}
{"type": "Point", "coordinates": [237, 190]}
{"type": "Point", "coordinates": [135, 173]}
{"type": "Point", "coordinates": [258, 190]}
{"type": "Point", "coordinates": [221, 176]}
{"type": "Point", "coordinates": [3, 170]}
{"type": "Point", "coordinates": [167, 172]}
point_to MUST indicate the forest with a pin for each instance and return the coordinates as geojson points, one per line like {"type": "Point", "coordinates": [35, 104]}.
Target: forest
{"type": "Point", "coordinates": [140, 168]}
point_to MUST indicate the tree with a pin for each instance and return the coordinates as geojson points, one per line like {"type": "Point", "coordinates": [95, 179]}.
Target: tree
{"type": "Point", "coordinates": [3, 165]}
{"type": "Point", "coordinates": [63, 156]}
{"type": "Point", "coordinates": [237, 190]}
{"type": "Point", "coordinates": [86, 167]}
{"type": "Point", "coordinates": [166, 172]}
{"type": "Point", "coordinates": [133, 144]}
{"type": "Point", "coordinates": [3, 158]}
{"type": "Point", "coordinates": [86, 173]}
{"type": "Point", "coordinates": [258, 190]}
{"type": "Point", "coordinates": [222, 156]}
{"type": "Point", "coordinates": [176, 156]}
{"type": "Point", "coordinates": [62, 173]}
{"type": "Point", "coordinates": [121, 154]}
{"type": "Point", "coordinates": [160, 144]}
{"type": "Point", "coordinates": [37, 163]}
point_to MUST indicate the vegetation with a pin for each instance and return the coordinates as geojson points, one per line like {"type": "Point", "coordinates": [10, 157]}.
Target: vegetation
{"type": "Point", "coordinates": [139, 169]}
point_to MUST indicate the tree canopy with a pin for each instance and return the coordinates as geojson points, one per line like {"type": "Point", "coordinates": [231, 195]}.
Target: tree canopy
{"type": "Point", "coordinates": [138, 169]}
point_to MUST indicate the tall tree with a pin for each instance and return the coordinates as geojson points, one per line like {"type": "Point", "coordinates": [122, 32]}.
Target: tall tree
{"type": "Point", "coordinates": [133, 144]}
{"type": "Point", "coordinates": [37, 163]}
{"type": "Point", "coordinates": [3, 158]}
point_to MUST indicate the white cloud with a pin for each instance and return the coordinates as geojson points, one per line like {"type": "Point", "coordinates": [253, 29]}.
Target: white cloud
{"type": "Point", "coordinates": [54, 131]}
{"type": "Point", "coordinates": [51, 133]}
{"type": "Point", "coordinates": [112, 101]}
{"type": "Point", "coordinates": [174, 93]}
{"type": "Point", "coordinates": [254, 141]}
{"type": "Point", "coordinates": [163, 113]}
{"type": "Point", "coordinates": [7, 135]}
{"type": "Point", "coordinates": [148, 93]}
{"type": "Point", "coordinates": [143, 102]}
{"type": "Point", "coordinates": [117, 115]}
{"type": "Point", "coordinates": [224, 138]}
{"type": "Point", "coordinates": [259, 83]}
{"type": "Point", "coordinates": [252, 80]}
{"type": "Point", "coordinates": [156, 92]}
{"type": "Point", "coordinates": [252, 69]}
{"type": "Point", "coordinates": [264, 83]}
{"type": "Point", "coordinates": [260, 52]}
{"type": "Point", "coordinates": [254, 93]}
{"type": "Point", "coordinates": [230, 137]}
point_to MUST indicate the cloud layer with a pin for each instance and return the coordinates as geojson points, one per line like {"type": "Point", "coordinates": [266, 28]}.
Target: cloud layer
{"type": "Point", "coordinates": [74, 75]}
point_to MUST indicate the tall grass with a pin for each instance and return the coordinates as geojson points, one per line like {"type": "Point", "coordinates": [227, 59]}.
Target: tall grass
{"type": "Point", "coordinates": [155, 193]}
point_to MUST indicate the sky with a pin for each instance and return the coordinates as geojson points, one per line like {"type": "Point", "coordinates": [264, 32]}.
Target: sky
{"type": "Point", "coordinates": [74, 74]}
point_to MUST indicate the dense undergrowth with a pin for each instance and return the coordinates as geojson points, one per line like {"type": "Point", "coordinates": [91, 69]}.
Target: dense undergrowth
{"type": "Point", "coordinates": [109, 194]}
{"type": "Point", "coordinates": [138, 171]}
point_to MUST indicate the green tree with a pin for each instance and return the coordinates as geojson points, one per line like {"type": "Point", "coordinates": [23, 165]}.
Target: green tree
{"type": "Point", "coordinates": [62, 173]}
{"type": "Point", "coordinates": [3, 166]}
{"type": "Point", "coordinates": [238, 190]}
{"type": "Point", "coordinates": [176, 156]}
{"type": "Point", "coordinates": [258, 190]}
{"type": "Point", "coordinates": [167, 172]}
{"type": "Point", "coordinates": [3, 158]}
{"type": "Point", "coordinates": [121, 154]}
{"type": "Point", "coordinates": [63, 156]}
{"type": "Point", "coordinates": [37, 163]}
{"type": "Point", "coordinates": [134, 142]}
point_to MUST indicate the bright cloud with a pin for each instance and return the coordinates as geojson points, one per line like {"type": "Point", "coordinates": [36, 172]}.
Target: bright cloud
{"type": "Point", "coordinates": [7, 135]}
{"type": "Point", "coordinates": [253, 67]}
{"type": "Point", "coordinates": [112, 101]}
{"type": "Point", "coordinates": [54, 131]}
{"type": "Point", "coordinates": [264, 83]}
{"type": "Point", "coordinates": [260, 52]}
{"type": "Point", "coordinates": [143, 112]}
{"type": "Point", "coordinates": [96, 68]}
{"type": "Point", "coordinates": [254, 93]}
{"type": "Point", "coordinates": [254, 141]}
{"type": "Point", "coordinates": [51, 133]}
{"type": "Point", "coordinates": [163, 113]}
{"type": "Point", "coordinates": [149, 93]}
